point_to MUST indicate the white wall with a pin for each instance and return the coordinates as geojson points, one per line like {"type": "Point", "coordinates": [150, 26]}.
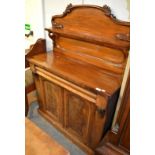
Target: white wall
{"type": "Point", "coordinates": [34, 17]}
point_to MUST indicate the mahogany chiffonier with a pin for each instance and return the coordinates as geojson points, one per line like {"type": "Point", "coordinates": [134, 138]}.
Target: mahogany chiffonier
{"type": "Point", "coordinates": [78, 82]}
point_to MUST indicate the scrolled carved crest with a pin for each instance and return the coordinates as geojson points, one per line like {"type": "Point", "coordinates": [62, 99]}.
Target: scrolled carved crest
{"type": "Point", "coordinates": [106, 9]}
{"type": "Point", "coordinates": [68, 9]}
{"type": "Point", "coordinates": [108, 12]}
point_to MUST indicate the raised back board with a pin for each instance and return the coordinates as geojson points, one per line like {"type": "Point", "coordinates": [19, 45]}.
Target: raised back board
{"type": "Point", "coordinates": [92, 34]}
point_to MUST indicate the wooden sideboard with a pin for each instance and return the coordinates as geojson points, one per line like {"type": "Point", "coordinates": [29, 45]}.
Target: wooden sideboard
{"type": "Point", "coordinates": [78, 82]}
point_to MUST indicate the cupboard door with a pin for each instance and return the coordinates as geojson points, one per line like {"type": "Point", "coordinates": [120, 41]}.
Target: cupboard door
{"type": "Point", "coordinates": [79, 115]}
{"type": "Point", "coordinates": [53, 100]}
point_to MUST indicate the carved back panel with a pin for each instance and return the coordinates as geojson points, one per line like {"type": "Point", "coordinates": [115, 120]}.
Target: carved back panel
{"type": "Point", "coordinates": [92, 34]}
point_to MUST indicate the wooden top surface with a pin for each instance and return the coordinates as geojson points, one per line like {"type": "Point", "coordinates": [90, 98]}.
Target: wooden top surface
{"type": "Point", "coordinates": [39, 143]}
{"type": "Point", "coordinates": [83, 74]}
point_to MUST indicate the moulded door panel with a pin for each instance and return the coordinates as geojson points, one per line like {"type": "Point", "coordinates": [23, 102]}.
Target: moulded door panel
{"type": "Point", "coordinates": [79, 115]}
{"type": "Point", "coordinates": [53, 100]}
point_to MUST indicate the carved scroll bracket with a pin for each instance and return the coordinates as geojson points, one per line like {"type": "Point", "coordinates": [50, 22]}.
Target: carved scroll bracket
{"type": "Point", "coordinates": [51, 35]}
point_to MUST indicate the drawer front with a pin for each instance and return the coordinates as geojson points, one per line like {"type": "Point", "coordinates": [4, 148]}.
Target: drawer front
{"type": "Point", "coordinates": [66, 84]}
